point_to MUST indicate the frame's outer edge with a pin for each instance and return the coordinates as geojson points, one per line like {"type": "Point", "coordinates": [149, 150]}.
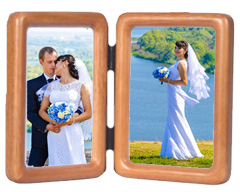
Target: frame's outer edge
{"type": "Point", "coordinates": [16, 170]}
{"type": "Point", "coordinates": [221, 169]}
{"type": "Point", "coordinates": [14, 108]}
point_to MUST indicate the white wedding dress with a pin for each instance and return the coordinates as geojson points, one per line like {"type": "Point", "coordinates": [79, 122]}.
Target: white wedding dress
{"type": "Point", "coordinates": [178, 141]}
{"type": "Point", "coordinates": [66, 147]}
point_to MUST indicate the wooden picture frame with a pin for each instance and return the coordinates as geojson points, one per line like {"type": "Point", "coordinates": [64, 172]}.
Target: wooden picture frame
{"type": "Point", "coordinates": [118, 137]}
{"type": "Point", "coordinates": [223, 26]}
{"type": "Point", "coordinates": [18, 24]}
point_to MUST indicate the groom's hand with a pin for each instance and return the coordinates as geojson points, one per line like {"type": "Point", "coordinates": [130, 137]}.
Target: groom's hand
{"type": "Point", "coordinates": [53, 128]}
{"type": "Point", "coordinates": [75, 114]}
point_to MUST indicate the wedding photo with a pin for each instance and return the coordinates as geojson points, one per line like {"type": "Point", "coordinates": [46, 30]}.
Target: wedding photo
{"type": "Point", "coordinates": [172, 96]}
{"type": "Point", "coordinates": [59, 96]}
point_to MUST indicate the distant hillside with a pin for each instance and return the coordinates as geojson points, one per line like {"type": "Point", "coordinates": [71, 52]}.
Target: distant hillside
{"type": "Point", "coordinates": [78, 44]}
{"type": "Point", "coordinates": [34, 71]}
{"type": "Point", "coordinates": [158, 45]}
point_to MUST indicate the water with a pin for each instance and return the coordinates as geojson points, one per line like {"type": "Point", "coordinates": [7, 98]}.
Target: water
{"type": "Point", "coordinates": [148, 105]}
{"type": "Point", "coordinates": [139, 31]}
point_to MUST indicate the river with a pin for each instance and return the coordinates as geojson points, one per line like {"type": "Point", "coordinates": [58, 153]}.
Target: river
{"type": "Point", "coordinates": [148, 105]}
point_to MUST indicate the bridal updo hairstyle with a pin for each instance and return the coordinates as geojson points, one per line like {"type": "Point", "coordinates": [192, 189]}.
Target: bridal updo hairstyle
{"type": "Point", "coordinates": [71, 64]}
{"type": "Point", "coordinates": [184, 45]}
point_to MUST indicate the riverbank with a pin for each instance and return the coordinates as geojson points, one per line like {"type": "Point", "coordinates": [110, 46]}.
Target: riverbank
{"type": "Point", "coordinates": [152, 57]}
{"type": "Point", "coordinates": [88, 155]}
{"type": "Point", "coordinates": [158, 45]}
{"type": "Point", "coordinates": [147, 152]}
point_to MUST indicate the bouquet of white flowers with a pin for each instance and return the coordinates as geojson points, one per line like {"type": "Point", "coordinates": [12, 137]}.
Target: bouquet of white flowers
{"type": "Point", "coordinates": [161, 72]}
{"type": "Point", "coordinates": [60, 112]}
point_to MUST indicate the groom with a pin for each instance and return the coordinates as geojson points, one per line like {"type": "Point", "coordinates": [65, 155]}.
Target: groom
{"type": "Point", "coordinates": [39, 149]}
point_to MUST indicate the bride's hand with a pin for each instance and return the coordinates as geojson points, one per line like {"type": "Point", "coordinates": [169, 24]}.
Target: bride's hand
{"type": "Point", "coordinates": [70, 122]}
{"type": "Point", "coordinates": [165, 80]}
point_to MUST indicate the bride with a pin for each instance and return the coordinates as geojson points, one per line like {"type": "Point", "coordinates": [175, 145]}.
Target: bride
{"type": "Point", "coordinates": [178, 141]}
{"type": "Point", "coordinates": [67, 146]}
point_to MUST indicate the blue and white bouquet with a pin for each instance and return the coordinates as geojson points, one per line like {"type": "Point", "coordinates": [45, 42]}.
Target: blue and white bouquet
{"type": "Point", "coordinates": [60, 112]}
{"type": "Point", "coordinates": [161, 72]}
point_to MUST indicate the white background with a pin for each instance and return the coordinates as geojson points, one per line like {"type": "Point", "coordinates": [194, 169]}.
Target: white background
{"type": "Point", "coordinates": [110, 181]}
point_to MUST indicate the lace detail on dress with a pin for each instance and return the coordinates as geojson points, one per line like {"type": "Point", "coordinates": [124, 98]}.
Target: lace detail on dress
{"type": "Point", "coordinates": [75, 85]}
{"type": "Point", "coordinates": [66, 147]}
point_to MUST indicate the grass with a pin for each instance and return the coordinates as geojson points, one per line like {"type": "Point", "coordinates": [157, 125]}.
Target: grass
{"type": "Point", "coordinates": [148, 152]}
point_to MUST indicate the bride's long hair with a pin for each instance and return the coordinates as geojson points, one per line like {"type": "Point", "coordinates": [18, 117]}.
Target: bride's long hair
{"type": "Point", "coordinates": [71, 66]}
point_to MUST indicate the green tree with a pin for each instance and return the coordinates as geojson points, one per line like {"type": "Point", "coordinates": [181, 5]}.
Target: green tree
{"type": "Point", "coordinates": [159, 45]}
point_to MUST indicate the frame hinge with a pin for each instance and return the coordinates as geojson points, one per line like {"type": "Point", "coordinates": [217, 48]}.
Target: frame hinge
{"type": "Point", "coordinates": [111, 66]}
{"type": "Point", "coordinates": [111, 57]}
{"type": "Point", "coordinates": [110, 138]}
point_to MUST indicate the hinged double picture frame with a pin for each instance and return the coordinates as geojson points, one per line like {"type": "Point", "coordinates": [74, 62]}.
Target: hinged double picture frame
{"type": "Point", "coordinates": [133, 59]}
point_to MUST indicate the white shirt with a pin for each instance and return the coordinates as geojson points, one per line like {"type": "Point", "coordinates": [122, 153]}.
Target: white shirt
{"type": "Point", "coordinates": [47, 77]}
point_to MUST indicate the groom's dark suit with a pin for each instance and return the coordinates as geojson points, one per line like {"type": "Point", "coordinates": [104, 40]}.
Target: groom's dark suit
{"type": "Point", "coordinates": [39, 150]}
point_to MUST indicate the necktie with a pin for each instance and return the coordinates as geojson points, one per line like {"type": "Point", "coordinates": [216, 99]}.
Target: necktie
{"type": "Point", "coordinates": [50, 80]}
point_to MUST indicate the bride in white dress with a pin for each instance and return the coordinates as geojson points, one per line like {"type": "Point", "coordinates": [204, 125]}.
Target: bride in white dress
{"type": "Point", "coordinates": [178, 141]}
{"type": "Point", "coordinates": [67, 146]}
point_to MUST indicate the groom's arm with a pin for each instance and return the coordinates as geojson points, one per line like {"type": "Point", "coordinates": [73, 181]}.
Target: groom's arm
{"type": "Point", "coordinates": [79, 111]}
{"type": "Point", "coordinates": [32, 110]}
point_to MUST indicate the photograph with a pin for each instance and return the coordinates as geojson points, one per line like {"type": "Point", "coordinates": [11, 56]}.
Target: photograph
{"type": "Point", "coordinates": [59, 96]}
{"type": "Point", "coordinates": [172, 96]}
{"type": "Point", "coordinates": [142, 119]}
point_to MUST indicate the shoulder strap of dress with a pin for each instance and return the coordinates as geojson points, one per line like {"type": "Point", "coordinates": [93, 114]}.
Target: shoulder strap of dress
{"type": "Point", "coordinates": [79, 85]}
{"type": "Point", "coordinates": [48, 89]}
{"type": "Point", "coordinates": [183, 61]}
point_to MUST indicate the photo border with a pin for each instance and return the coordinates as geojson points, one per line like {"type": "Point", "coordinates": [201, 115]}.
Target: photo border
{"type": "Point", "coordinates": [18, 24]}
{"type": "Point", "coordinates": [221, 169]}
